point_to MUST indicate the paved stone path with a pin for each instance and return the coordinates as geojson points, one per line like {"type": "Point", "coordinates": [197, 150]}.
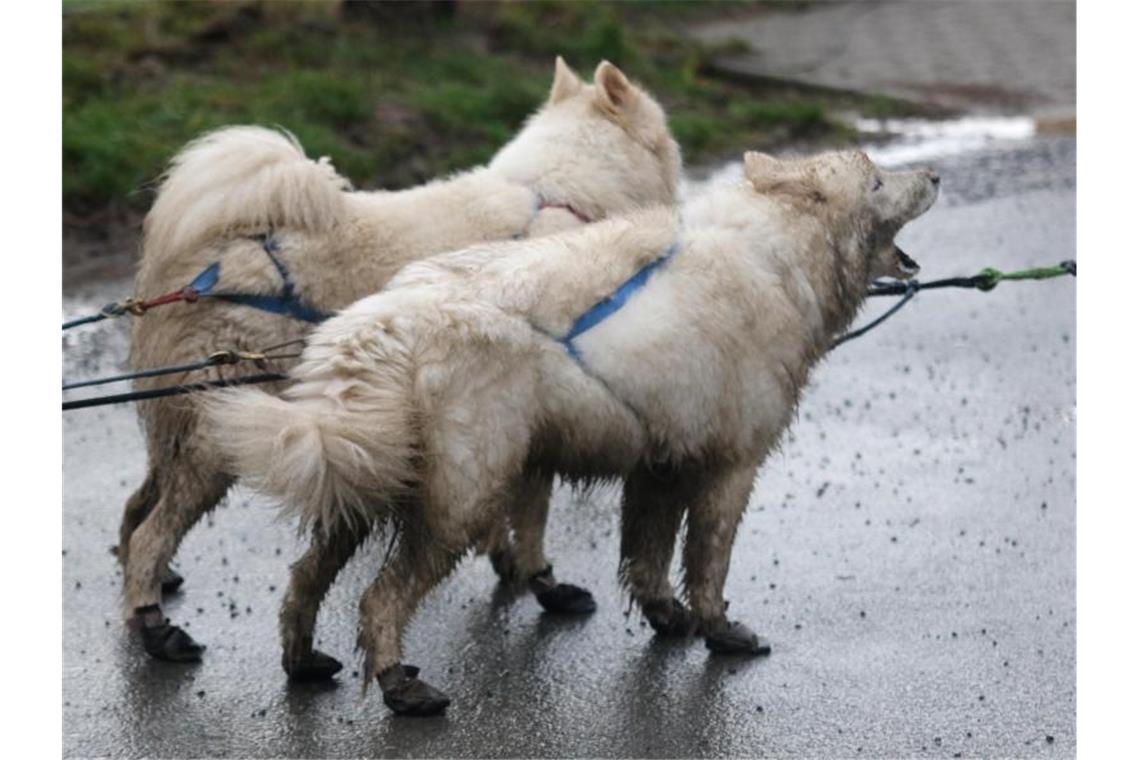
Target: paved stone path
{"type": "Point", "coordinates": [1001, 56]}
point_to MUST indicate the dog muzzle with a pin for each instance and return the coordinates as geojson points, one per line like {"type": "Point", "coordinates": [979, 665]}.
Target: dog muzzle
{"type": "Point", "coordinates": [908, 267]}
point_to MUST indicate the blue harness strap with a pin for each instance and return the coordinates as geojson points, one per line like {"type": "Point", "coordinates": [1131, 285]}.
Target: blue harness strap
{"type": "Point", "coordinates": [611, 303]}
{"type": "Point", "coordinates": [286, 303]}
{"type": "Point", "coordinates": [207, 279]}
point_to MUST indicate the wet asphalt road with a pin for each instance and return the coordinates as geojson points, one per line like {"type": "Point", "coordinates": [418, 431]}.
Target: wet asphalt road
{"type": "Point", "coordinates": [910, 554]}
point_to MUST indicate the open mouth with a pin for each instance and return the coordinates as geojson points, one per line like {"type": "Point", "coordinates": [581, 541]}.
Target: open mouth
{"type": "Point", "coordinates": [907, 266]}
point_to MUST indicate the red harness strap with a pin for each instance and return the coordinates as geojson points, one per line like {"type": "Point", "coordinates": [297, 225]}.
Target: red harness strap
{"type": "Point", "coordinates": [567, 207]}
{"type": "Point", "coordinates": [187, 294]}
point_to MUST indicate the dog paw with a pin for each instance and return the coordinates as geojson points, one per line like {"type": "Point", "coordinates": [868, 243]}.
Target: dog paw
{"type": "Point", "coordinates": [737, 638]}
{"type": "Point", "coordinates": [171, 580]}
{"type": "Point", "coordinates": [170, 643]}
{"type": "Point", "coordinates": [406, 694]}
{"type": "Point", "coordinates": [669, 618]}
{"type": "Point", "coordinates": [566, 599]}
{"type": "Point", "coordinates": [314, 665]}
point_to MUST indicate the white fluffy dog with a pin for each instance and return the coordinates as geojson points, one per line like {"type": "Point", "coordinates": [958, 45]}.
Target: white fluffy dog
{"type": "Point", "coordinates": [280, 243]}
{"type": "Point", "coordinates": [671, 356]}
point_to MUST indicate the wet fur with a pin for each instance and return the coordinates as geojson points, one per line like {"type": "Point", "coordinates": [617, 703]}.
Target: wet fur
{"type": "Point", "coordinates": [431, 401]}
{"type": "Point", "coordinates": [602, 147]}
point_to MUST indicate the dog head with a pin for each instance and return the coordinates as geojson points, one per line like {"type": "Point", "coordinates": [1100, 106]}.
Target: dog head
{"type": "Point", "coordinates": [862, 206]}
{"type": "Point", "coordinates": [603, 146]}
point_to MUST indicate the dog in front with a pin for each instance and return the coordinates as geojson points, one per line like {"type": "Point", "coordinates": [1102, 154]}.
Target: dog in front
{"type": "Point", "coordinates": [247, 201]}
{"type": "Point", "coordinates": [669, 356]}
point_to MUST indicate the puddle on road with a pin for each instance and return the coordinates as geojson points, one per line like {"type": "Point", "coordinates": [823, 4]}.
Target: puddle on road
{"type": "Point", "coordinates": [914, 140]}
{"type": "Point", "coordinates": [898, 142]}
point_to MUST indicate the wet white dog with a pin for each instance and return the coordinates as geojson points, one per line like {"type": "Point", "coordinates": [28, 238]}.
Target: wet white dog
{"type": "Point", "coordinates": [669, 356]}
{"type": "Point", "coordinates": [279, 243]}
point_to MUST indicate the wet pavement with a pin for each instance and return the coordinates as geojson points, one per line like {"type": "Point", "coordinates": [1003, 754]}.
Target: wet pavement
{"type": "Point", "coordinates": [998, 56]}
{"type": "Point", "coordinates": [909, 553]}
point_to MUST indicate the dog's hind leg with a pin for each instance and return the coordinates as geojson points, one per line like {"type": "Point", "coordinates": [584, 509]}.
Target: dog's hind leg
{"type": "Point", "coordinates": [500, 550]}
{"type": "Point", "coordinates": [419, 563]}
{"type": "Point", "coordinates": [138, 506]}
{"type": "Point", "coordinates": [310, 578]}
{"type": "Point", "coordinates": [529, 508]}
{"type": "Point", "coordinates": [460, 497]}
{"type": "Point", "coordinates": [652, 507]}
{"type": "Point", "coordinates": [191, 489]}
{"type": "Point", "coordinates": [713, 518]}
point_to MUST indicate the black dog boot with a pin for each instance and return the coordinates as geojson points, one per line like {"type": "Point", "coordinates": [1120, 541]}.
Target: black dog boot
{"type": "Point", "coordinates": [670, 619]}
{"type": "Point", "coordinates": [164, 641]}
{"type": "Point", "coordinates": [310, 665]}
{"type": "Point", "coordinates": [406, 694]}
{"type": "Point", "coordinates": [561, 598]}
{"type": "Point", "coordinates": [737, 638]}
{"type": "Point", "coordinates": [171, 580]}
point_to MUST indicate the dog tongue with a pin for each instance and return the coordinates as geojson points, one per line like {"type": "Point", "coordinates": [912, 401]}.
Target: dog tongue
{"type": "Point", "coordinates": [906, 263]}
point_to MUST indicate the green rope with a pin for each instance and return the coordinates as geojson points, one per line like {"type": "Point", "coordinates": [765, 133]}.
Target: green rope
{"type": "Point", "coordinates": [985, 281]}
{"type": "Point", "coordinates": [989, 277]}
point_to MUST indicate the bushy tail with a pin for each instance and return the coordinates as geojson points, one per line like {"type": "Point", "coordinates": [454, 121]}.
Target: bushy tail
{"type": "Point", "coordinates": [241, 180]}
{"type": "Point", "coordinates": [325, 465]}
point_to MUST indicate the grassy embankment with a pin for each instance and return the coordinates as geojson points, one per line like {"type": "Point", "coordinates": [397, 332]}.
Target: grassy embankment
{"type": "Point", "coordinates": [394, 99]}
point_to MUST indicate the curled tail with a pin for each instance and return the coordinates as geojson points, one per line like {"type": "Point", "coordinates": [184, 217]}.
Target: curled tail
{"type": "Point", "coordinates": [325, 464]}
{"type": "Point", "coordinates": [241, 180]}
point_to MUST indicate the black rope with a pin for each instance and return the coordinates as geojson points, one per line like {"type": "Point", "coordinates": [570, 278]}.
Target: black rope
{"type": "Point", "coordinates": [85, 320]}
{"type": "Point", "coordinates": [144, 373]}
{"type": "Point", "coordinates": [216, 359]}
{"type": "Point", "coordinates": [173, 390]}
{"type": "Point", "coordinates": [985, 281]}
{"type": "Point", "coordinates": [912, 289]}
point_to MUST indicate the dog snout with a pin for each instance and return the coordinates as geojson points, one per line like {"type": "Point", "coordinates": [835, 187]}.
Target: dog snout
{"type": "Point", "coordinates": [934, 177]}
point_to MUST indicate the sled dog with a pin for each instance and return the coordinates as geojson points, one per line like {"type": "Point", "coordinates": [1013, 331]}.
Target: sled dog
{"type": "Point", "coordinates": [287, 243]}
{"type": "Point", "coordinates": [670, 356]}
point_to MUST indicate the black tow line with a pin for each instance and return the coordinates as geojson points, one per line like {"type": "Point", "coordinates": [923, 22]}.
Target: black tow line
{"type": "Point", "coordinates": [985, 281]}
{"type": "Point", "coordinates": [173, 390]}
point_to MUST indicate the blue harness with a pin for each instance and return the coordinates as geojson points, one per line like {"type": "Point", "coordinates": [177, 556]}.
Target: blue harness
{"type": "Point", "coordinates": [611, 303]}
{"type": "Point", "coordinates": [286, 303]}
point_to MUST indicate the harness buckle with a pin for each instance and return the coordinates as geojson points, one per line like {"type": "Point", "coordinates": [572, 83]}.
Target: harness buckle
{"type": "Point", "coordinates": [134, 306]}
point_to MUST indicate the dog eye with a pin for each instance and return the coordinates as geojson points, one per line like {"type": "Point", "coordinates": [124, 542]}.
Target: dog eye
{"type": "Point", "coordinates": [878, 184]}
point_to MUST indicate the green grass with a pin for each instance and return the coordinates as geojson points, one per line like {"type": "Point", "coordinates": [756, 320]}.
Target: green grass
{"type": "Point", "coordinates": [393, 101]}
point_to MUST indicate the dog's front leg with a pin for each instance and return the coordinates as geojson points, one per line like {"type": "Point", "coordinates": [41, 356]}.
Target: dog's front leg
{"type": "Point", "coordinates": [652, 507]}
{"type": "Point", "coordinates": [713, 518]}
{"type": "Point", "coordinates": [529, 507]}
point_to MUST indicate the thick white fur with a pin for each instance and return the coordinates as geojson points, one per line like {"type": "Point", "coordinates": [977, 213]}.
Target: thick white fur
{"type": "Point", "coordinates": [243, 180]}
{"type": "Point", "coordinates": [579, 149]}
{"type": "Point", "coordinates": [452, 381]}
{"type": "Point", "coordinates": [602, 147]}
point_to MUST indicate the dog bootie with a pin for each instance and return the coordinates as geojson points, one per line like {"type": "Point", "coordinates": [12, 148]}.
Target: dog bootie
{"type": "Point", "coordinates": [171, 580]}
{"type": "Point", "coordinates": [314, 665]}
{"type": "Point", "coordinates": [406, 694]}
{"type": "Point", "coordinates": [670, 619]}
{"type": "Point", "coordinates": [737, 638]}
{"type": "Point", "coordinates": [164, 641]}
{"type": "Point", "coordinates": [561, 598]}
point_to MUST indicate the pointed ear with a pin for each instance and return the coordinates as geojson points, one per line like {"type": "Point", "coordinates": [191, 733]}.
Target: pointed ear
{"type": "Point", "coordinates": [760, 168]}
{"type": "Point", "coordinates": [614, 91]}
{"type": "Point", "coordinates": [771, 176]}
{"type": "Point", "coordinates": [566, 82]}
